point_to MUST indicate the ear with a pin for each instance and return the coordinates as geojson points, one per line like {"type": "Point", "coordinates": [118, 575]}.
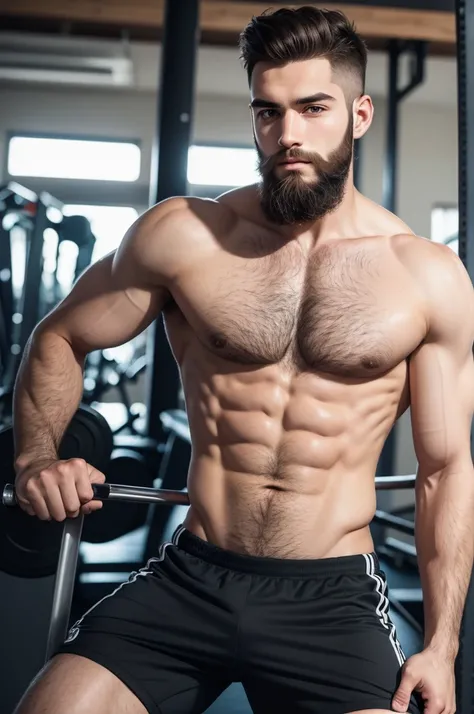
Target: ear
{"type": "Point", "coordinates": [363, 113]}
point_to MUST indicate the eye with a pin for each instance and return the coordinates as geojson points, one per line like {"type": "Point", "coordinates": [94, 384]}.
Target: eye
{"type": "Point", "coordinates": [317, 110]}
{"type": "Point", "coordinates": [267, 114]}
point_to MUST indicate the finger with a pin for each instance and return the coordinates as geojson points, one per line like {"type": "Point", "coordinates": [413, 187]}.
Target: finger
{"type": "Point", "coordinates": [28, 508]}
{"type": "Point", "coordinates": [69, 495]}
{"type": "Point", "coordinates": [91, 507]}
{"type": "Point", "coordinates": [435, 705]}
{"type": "Point", "coordinates": [95, 476]}
{"type": "Point", "coordinates": [36, 502]}
{"type": "Point", "coordinates": [401, 698]}
{"type": "Point", "coordinates": [53, 499]}
{"type": "Point", "coordinates": [81, 479]}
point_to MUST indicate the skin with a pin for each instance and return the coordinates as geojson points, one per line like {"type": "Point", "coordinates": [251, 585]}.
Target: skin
{"type": "Point", "coordinates": [299, 347]}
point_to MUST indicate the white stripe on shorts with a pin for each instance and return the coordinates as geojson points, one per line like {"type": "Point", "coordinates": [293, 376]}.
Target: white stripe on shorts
{"type": "Point", "coordinates": [382, 608]}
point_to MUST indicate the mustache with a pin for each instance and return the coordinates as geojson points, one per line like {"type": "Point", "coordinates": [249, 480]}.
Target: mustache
{"type": "Point", "coordinates": [270, 162]}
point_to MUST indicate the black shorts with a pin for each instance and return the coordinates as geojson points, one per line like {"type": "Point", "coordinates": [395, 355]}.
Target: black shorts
{"type": "Point", "coordinates": [301, 635]}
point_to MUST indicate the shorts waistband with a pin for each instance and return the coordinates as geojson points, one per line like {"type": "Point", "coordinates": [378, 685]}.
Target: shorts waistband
{"type": "Point", "coordinates": [363, 564]}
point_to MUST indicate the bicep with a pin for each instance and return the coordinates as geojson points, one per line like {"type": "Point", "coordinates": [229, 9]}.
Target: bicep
{"type": "Point", "coordinates": [442, 369]}
{"type": "Point", "coordinates": [441, 392]}
{"type": "Point", "coordinates": [106, 307]}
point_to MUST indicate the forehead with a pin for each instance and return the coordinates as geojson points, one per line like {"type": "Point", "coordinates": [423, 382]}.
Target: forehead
{"type": "Point", "coordinates": [295, 79]}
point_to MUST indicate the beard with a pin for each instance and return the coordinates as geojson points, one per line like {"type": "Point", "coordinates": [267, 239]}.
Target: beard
{"type": "Point", "coordinates": [291, 199]}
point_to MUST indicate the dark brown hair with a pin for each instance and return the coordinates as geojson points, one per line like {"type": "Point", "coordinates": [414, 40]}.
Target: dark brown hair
{"type": "Point", "coordinates": [291, 35]}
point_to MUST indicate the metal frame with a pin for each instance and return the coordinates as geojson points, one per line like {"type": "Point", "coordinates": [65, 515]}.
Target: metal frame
{"type": "Point", "coordinates": [169, 178]}
{"type": "Point", "coordinates": [465, 53]}
{"type": "Point", "coordinates": [396, 95]}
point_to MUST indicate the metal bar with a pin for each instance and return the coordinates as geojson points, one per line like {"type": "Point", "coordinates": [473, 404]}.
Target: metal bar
{"type": "Point", "coordinates": [64, 584]}
{"type": "Point", "coordinates": [401, 524]}
{"type": "Point", "coordinates": [465, 56]}
{"type": "Point", "coordinates": [418, 62]}
{"type": "Point", "coordinates": [391, 148]}
{"type": "Point", "coordinates": [391, 483]}
{"type": "Point", "coordinates": [143, 494]}
{"type": "Point", "coordinates": [169, 178]}
{"type": "Point", "coordinates": [33, 276]}
{"type": "Point", "coordinates": [386, 463]}
{"type": "Point", "coordinates": [358, 155]}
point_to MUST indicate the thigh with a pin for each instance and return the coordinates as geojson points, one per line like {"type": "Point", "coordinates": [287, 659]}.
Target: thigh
{"type": "Point", "coordinates": [351, 671]}
{"type": "Point", "coordinates": [77, 685]}
{"type": "Point", "coordinates": [162, 635]}
{"type": "Point", "coordinates": [333, 650]}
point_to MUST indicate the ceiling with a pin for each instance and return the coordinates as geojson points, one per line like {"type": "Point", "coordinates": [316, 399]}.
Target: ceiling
{"type": "Point", "coordinates": [221, 21]}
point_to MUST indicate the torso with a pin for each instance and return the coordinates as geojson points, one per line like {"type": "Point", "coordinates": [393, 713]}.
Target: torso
{"type": "Point", "coordinates": [294, 367]}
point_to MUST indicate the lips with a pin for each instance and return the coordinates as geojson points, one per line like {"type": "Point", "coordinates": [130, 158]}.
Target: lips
{"type": "Point", "coordinates": [293, 161]}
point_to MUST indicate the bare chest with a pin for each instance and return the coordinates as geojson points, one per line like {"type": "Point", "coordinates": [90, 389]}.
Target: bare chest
{"type": "Point", "coordinates": [344, 312]}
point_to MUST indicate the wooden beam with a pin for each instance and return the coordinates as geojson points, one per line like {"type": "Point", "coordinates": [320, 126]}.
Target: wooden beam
{"type": "Point", "coordinates": [230, 17]}
{"type": "Point", "coordinates": [371, 22]}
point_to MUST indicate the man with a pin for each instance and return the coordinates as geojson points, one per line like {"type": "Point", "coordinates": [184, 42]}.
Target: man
{"type": "Point", "coordinates": [305, 319]}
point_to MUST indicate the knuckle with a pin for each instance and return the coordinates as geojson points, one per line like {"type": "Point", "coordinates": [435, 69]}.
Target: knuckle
{"type": "Point", "coordinates": [44, 475]}
{"type": "Point", "coordinates": [65, 477]}
{"type": "Point", "coordinates": [29, 488]}
{"type": "Point", "coordinates": [77, 463]}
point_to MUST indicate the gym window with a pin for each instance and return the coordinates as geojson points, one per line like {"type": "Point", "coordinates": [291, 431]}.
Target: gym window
{"type": "Point", "coordinates": [73, 159]}
{"type": "Point", "coordinates": [222, 166]}
{"type": "Point", "coordinates": [445, 226]}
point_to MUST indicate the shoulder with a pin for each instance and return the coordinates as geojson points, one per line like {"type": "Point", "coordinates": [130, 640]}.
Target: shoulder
{"type": "Point", "coordinates": [175, 233]}
{"type": "Point", "coordinates": [425, 259]}
{"type": "Point", "coordinates": [187, 214]}
{"type": "Point", "coordinates": [442, 281]}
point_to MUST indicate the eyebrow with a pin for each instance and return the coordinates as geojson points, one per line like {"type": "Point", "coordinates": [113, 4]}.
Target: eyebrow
{"type": "Point", "coordinates": [319, 97]}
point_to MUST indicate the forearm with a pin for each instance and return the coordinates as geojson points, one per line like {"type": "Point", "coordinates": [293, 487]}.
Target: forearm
{"type": "Point", "coordinates": [445, 547]}
{"type": "Point", "coordinates": [47, 394]}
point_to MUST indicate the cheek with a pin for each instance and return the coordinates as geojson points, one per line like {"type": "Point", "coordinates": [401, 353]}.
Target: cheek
{"type": "Point", "coordinates": [326, 134]}
{"type": "Point", "coordinates": [266, 137]}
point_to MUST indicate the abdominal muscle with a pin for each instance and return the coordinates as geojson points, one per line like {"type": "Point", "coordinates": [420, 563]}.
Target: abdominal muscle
{"type": "Point", "coordinates": [283, 466]}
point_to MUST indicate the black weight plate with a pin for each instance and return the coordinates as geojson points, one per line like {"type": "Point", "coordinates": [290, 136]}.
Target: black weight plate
{"type": "Point", "coordinates": [90, 437]}
{"type": "Point", "coordinates": [115, 519]}
{"type": "Point", "coordinates": [29, 547]}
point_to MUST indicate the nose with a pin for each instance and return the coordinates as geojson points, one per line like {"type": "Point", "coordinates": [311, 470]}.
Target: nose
{"type": "Point", "coordinates": [291, 130]}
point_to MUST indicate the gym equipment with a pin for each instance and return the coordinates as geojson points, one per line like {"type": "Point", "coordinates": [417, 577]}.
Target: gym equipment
{"type": "Point", "coordinates": [17, 204]}
{"type": "Point", "coordinates": [465, 57]}
{"type": "Point", "coordinates": [33, 214]}
{"type": "Point", "coordinates": [30, 547]}
{"type": "Point", "coordinates": [401, 524]}
{"type": "Point", "coordinates": [72, 530]}
{"type": "Point", "coordinates": [103, 372]}
{"type": "Point", "coordinates": [124, 465]}
{"type": "Point", "coordinates": [76, 230]}
{"type": "Point", "coordinates": [169, 175]}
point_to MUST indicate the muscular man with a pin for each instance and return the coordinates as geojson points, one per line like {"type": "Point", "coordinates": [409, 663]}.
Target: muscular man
{"type": "Point", "coordinates": [305, 319]}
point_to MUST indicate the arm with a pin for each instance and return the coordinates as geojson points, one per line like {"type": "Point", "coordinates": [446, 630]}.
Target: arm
{"type": "Point", "coordinates": [112, 302]}
{"type": "Point", "coordinates": [442, 394]}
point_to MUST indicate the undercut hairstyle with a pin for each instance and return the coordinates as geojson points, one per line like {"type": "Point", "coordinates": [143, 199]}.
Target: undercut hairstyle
{"type": "Point", "coordinates": [292, 35]}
